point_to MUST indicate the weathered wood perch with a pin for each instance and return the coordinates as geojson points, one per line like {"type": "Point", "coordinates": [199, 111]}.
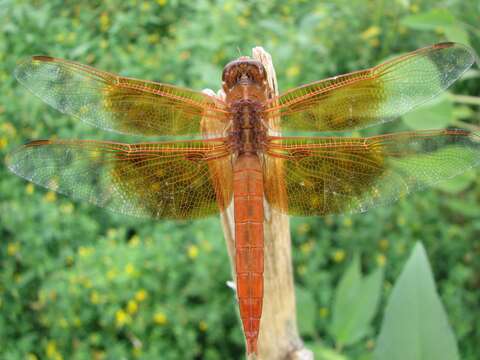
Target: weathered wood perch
{"type": "Point", "coordinates": [279, 338]}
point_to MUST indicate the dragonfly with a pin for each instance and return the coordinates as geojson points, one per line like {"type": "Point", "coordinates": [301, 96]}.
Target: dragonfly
{"type": "Point", "coordinates": [236, 155]}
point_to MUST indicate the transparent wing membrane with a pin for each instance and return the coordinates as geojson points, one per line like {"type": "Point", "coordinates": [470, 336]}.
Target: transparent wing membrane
{"type": "Point", "coordinates": [175, 180]}
{"type": "Point", "coordinates": [372, 96]}
{"type": "Point", "coordinates": [117, 103]}
{"type": "Point", "coordinates": [322, 176]}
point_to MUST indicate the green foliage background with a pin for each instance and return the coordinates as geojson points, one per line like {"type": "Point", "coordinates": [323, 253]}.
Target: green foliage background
{"type": "Point", "coordinates": [77, 282]}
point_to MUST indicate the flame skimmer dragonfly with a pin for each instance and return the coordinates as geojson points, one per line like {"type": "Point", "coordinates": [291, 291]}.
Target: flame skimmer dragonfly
{"type": "Point", "coordinates": [237, 158]}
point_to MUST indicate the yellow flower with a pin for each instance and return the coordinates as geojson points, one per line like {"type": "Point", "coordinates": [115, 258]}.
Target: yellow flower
{"type": "Point", "coordinates": [63, 323]}
{"type": "Point", "coordinates": [383, 244]}
{"type": "Point", "coordinates": [50, 197]}
{"type": "Point", "coordinates": [3, 143]}
{"type": "Point", "coordinates": [370, 344]}
{"type": "Point", "coordinates": [338, 255]}
{"type": "Point", "coordinates": [134, 241]}
{"type": "Point", "coordinates": [71, 37]}
{"type": "Point", "coordinates": [347, 221]}
{"type": "Point", "coordinates": [141, 295]}
{"type": "Point", "coordinates": [137, 351]}
{"type": "Point", "coordinates": [111, 233]}
{"type": "Point", "coordinates": [323, 312]}
{"type": "Point", "coordinates": [302, 269]}
{"type": "Point", "coordinates": [303, 228]}
{"type": "Point", "coordinates": [374, 42]}
{"type": "Point", "coordinates": [85, 251]}
{"type": "Point", "coordinates": [192, 251]}
{"type": "Point", "coordinates": [145, 6]}
{"type": "Point", "coordinates": [400, 248]}
{"type": "Point", "coordinates": [87, 283]}
{"type": "Point", "coordinates": [60, 38]}
{"type": "Point", "coordinates": [293, 71]}
{"type": "Point", "coordinates": [207, 246]}
{"type": "Point", "coordinates": [94, 297]}
{"type": "Point", "coordinates": [160, 318]}
{"type": "Point", "coordinates": [98, 355]}
{"type": "Point", "coordinates": [90, 58]}
{"type": "Point", "coordinates": [228, 6]}
{"type": "Point", "coordinates": [162, 2]}
{"type": "Point", "coordinates": [51, 348]}
{"type": "Point", "coordinates": [414, 8]}
{"type": "Point", "coordinates": [66, 208]}
{"type": "Point", "coordinates": [77, 322]}
{"type": "Point", "coordinates": [130, 269]}
{"type": "Point", "coordinates": [203, 326]}
{"type": "Point", "coordinates": [381, 260]}
{"type": "Point", "coordinates": [121, 318]}
{"type": "Point", "coordinates": [153, 38]}
{"type": "Point", "coordinates": [371, 32]}
{"type": "Point", "coordinates": [184, 55]}
{"type": "Point", "coordinates": [104, 22]}
{"type": "Point", "coordinates": [111, 274]}
{"type": "Point", "coordinates": [7, 127]}
{"type": "Point", "coordinates": [242, 21]}
{"type": "Point", "coordinates": [132, 307]}
{"type": "Point", "coordinates": [306, 247]}
{"type": "Point", "coordinates": [12, 248]}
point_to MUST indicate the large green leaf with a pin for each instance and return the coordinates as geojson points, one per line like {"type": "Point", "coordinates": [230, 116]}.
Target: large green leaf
{"type": "Point", "coordinates": [306, 311]}
{"type": "Point", "coordinates": [430, 20]}
{"type": "Point", "coordinates": [436, 115]}
{"type": "Point", "coordinates": [322, 352]}
{"type": "Point", "coordinates": [415, 326]}
{"type": "Point", "coordinates": [438, 19]}
{"type": "Point", "coordinates": [458, 183]}
{"type": "Point", "coordinates": [356, 301]}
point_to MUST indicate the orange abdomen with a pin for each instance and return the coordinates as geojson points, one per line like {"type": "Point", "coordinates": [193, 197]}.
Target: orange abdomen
{"type": "Point", "coordinates": [248, 208]}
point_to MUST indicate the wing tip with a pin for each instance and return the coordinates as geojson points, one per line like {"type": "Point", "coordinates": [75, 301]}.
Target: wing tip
{"type": "Point", "coordinates": [23, 68]}
{"type": "Point", "coordinates": [473, 57]}
{"type": "Point", "coordinates": [11, 163]}
{"type": "Point", "coordinates": [11, 159]}
{"type": "Point", "coordinates": [445, 44]}
{"type": "Point", "coordinates": [45, 58]}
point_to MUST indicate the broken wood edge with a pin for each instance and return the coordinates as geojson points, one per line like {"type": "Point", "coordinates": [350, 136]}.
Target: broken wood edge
{"type": "Point", "coordinates": [278, 338]}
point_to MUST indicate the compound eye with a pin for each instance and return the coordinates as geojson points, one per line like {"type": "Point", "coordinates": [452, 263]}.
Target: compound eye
{"type": "Point", "coordinates": [258, 75]}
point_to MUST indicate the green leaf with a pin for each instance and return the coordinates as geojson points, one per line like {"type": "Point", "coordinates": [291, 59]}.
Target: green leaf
{"type": "Point", "coordinates": [436, 115]}
{"type": "Point", "coordinates": [463, 112]}
{"type": "Point", "coordinates": [322, 352]}
{"type": "Point", "coordinates": [431, 20]}
{"type": "Point", "coordinates": [458, 183]}
{"type": "Point", "coordinates": [306, 310]}
{"type": "Point", "coordinates": [356, 302]}
{"type": "Point", "coordinates": [457, 33]}
{"type": "Point", "coordinates": [415, 326]}
{"type": "Point", "coordinates": [471, 74]}
{"type": "Point", "coordinates": [464, 207]}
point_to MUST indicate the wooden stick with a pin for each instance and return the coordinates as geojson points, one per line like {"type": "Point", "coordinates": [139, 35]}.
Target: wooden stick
{"type": "Point", "coordinates": [278, 338]}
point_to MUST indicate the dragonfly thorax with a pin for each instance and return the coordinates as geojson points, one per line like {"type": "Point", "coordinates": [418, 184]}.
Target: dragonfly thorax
{"type": "Point", "coordinates": [248, 131]}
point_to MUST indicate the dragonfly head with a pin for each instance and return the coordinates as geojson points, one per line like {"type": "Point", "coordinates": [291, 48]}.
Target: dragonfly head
{"type": "Point", "coordinates": [243, 71]}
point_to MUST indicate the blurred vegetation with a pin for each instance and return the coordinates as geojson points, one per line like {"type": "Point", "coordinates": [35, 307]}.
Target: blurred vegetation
{"type": "Point", "coordinates": [77, 282]}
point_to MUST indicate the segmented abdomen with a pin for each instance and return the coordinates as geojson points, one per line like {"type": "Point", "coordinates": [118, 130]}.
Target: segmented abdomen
{"type": "Point", "coordinates": [248, 207]}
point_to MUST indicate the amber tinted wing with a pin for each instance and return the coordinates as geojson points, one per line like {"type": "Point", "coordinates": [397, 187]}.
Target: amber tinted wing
{"type": "Point", "coordinates": [159, 180]}
{"type": "Point", "coordinates": [117, 103]}
{"type": "Point", "coordinates": [342, 175]}
{"type": "Point", "coordinates": [372, 96]}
